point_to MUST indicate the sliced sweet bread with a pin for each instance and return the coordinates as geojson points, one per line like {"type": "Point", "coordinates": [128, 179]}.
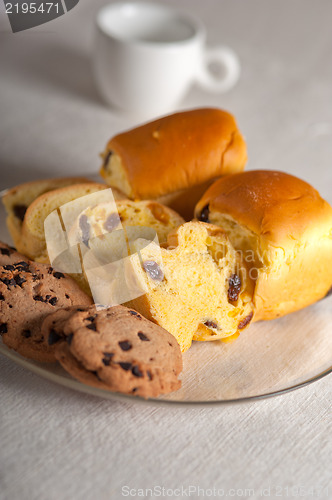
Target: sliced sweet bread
{"type": "Point", "coordinates": [19, 198]}
{"type": "Point", "coordinates": [197, 288]}
{"type": "Point", "coordinates": [107, 217]}
{"type": "Point", "coordinates": [31, 241]}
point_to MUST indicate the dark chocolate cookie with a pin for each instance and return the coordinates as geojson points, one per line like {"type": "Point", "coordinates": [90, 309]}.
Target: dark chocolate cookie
{"type": "Point", "coordinates": [28, 293]}
{"type": "Point", "coordinates": [115, 349]}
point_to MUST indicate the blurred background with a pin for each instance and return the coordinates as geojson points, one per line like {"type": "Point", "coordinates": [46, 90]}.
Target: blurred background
{"type": "Point", "coordinates": [53, 122]}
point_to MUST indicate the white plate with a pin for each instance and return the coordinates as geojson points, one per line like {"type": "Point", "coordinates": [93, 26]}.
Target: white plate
{"type": "Point", "coordinates": [268, 359]}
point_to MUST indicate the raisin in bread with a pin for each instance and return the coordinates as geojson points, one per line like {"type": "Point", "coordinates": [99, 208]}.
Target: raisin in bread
{"type": "Point", "coordinates": [107, 217]}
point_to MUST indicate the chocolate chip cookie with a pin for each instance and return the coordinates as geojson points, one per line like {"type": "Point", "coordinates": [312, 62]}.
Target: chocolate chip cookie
{"type": "Point", "coordinates": [28, 293]}
{"type": "Point", "coordinates": [115, 349]}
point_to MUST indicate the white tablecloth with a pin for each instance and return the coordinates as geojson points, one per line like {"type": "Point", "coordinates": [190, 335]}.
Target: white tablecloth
{"type": "Point", "coordinates": [59, 444]}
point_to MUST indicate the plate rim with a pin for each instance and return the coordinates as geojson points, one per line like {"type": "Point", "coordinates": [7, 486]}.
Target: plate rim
{"type": "Point", "coordinates": [71, 383]}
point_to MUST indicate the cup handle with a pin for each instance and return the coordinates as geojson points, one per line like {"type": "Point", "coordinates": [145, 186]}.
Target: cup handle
{"type": "Point", "coordinates": [230, 64]}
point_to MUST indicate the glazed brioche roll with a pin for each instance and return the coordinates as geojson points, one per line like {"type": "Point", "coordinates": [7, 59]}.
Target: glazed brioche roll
{"type": "Point", "coordinates": [283, 228]}
{"type": "Point", "coordinates": [30, 240]}
{"type": "Point", "coordinates": [197, 288]}
{"type": "Point", "coordinates": [19, 198]}
{"type": "Point", "coordinates": [175, 158]}
{"type": "Point", "coordinates": [107, 217]}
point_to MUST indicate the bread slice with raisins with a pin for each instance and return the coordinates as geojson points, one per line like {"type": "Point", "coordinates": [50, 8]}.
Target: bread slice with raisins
{"type": "Point", "coordinates": [104, 232]}
{"type": "Point", "coordinates": [31, 238]}
{"type": "Point", "coordinates": [17, 200]}
{"type": "Point", "coordinates": [107, 217]}
{"type": "Point", "coordinates": [197, 288]}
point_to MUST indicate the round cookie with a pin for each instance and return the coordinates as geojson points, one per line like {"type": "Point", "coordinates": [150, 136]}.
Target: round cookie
{"type": "Point", "coordinates": [116, 349]}
{"type": "Point", "coordinates": [28, 293]}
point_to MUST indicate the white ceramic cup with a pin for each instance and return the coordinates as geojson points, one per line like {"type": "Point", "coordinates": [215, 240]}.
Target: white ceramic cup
{"type": "Point", "coordinates": [147, 56]}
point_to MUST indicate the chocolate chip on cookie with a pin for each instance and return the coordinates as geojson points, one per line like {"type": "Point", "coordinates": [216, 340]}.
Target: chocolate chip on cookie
{"type": "Point", "coordinates": [28, 293]}
{"type": "Point", "coordinates": [8, 255]}
{"type": "Point", "coordinates": [123, 352]}
{"type": "Point", "coordinates": [53, 325]}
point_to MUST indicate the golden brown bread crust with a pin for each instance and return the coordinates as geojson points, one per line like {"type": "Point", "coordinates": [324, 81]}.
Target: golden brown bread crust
{"type": "Point", "coordinates": [27, 192]}
{"type": "Point", "coordinates": [287, 225]}
{"type": "Point", "coordinates": [175, 153]}
{"type": "Point", "coordinates": [269, 203]}
{"type": "Point", "coordinates": [183, 202]}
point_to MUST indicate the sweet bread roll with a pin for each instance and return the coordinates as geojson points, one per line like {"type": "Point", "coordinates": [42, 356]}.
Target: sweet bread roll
{"type": "Point", "coordinates": [283, 228]}
{"type": "Point", "coordinates": [196, 288]}
{"type": "Point", "coordinates": [19, 198]}
{"type": "Point", "coordinates": [175, 158]}
{"type": "Point", "coordinates": [31, 238]}
{"type": "Point", "coordinates": [107, 217]}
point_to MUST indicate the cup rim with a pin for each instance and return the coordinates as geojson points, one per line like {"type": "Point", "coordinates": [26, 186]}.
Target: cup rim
{"type": "Point", "coordinates": [199, 32]}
